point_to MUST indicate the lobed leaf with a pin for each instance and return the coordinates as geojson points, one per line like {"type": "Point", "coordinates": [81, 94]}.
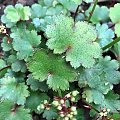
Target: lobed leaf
{"type": "Point", "coordinates": [100, 14]}
{"type": "Point", "coordinates": [24, 42]}
{"type": "Point", "coordinates": [9, 112]}
{"type": "Point", "coordinates": [102, 76]}
{"type": "Point", "coordinates": [46, 66]}
{"type": "Point", "coordinates": [17, 13]}
{"type": "Point", "coordinates": [64, 36]}
{"type": "Point", "coordinates": [115, 17]}
{"type": "Point", "coordinates": [11, 90]}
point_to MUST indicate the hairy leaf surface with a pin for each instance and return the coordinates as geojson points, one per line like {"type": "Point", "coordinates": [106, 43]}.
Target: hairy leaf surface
{"type": "Point", "coordinates": [78, 43]}
{"type": "Point", "coordinates": [46, 66]}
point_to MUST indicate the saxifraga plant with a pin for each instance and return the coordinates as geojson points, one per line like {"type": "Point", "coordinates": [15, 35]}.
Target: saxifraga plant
{"type": "Point", "coordinates": [52, 62]}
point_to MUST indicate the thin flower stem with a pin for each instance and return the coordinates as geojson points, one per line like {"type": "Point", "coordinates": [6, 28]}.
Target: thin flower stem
{"type": "Point", "coordinates": [111, 43]}
{"type": "Point", "coordinates": [91, 13]}
{"type": "Point", "coordinates": [91, 106]}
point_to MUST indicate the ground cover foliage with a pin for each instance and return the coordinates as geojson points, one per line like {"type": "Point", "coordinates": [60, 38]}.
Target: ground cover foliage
{"type": "Point", "coordinates": [55, 61]}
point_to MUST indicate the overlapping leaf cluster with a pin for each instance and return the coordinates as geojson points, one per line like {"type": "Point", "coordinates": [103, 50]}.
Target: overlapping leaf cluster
{"type": "Point", "coordinates": [46, 53]}
{"type": "Point", "coordinates": [104, 74]}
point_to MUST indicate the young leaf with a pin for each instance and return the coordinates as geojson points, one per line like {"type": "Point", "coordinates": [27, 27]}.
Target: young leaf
{"type": "Point", "coordinates": [70, 5]}
{"type": "Point", "coordinates": [45, 65]}
{"type": "Point", "coordinates": [105, 35]}
{"type": "Point", "coordinates": [11, 90]}
{"type": "Point", "coordinates": [9, 112]}
{"type": "Point", "coordinates": [78, 43]}
{"type": "Point", "coordinates": [14, 14]}
{"type": "Point", "coordinates": [37, 11]}
{"type": "Point", "coordinates": [99, 14]}
{"type": "Point", "coordinates": [6, 21]}
{"type": "Point", "coordinates": [115, 17]}
{"type": "Point", "coordinates": [24, 42]}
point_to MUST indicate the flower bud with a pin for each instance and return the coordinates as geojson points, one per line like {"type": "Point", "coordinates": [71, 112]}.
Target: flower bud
{"type": "Point", "coordinates": [73, 108]}
{"type": "Point", "coordinates": [45, 102]}
{"type": "Point", "coordinates": [74, 93]}
{"type": "Point", "coordinates": [75, 112]}
{"type": "Point", "coordinates": [105, 114]}
{"type": "Point", "coordinates": [55, 103]}
{"type": "Point", "coordinates": [47, 108]}
{"type": "Point", "coordinates": [101, 114]}
{"type": "Point", "coordinates": [68, 95]}
{"type": "Point", "coordinates": [62, 101]}
{"type": "Point", "coordinates": [38, 108]}
{"type": "Point", "coordinates": [66, 118]}
{"type": "Point", "coordinates": [108, 110]}
{"type": "Point", "coordinates": [62, 115]}
{"type": "Point", "coordinates": [73, 99]}
{"type": "Point", "coordinates": [59, 107]}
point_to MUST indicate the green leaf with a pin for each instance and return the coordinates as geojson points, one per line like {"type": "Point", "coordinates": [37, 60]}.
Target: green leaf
{"type": "Point", "coordinates": [77, 1]}
{"type": "Point", "coordinates": [2, 63]}
{"type": "Point", "coordinates": [50, 114]}
{"type": "Point", "coordinates": [70, 5]}
{"type": "Point", "coordinates": [116, 50]}
{"type": "Point", "coordinates": [3, 70]}
{"type": "Point", "coordinates": [11, 90]}
{"type": "Point", "coordinates": [35, 99]}
{"type": "Point", "coordinates": [79, 44]}
{"type": "Point", "coordinates": [100, 14]}
{"type": "Point", "coordinates": [36, 85]}
{"type": "Point", "coordinates": [105, 35]}
{"type": "Point", "coordinates": [116, 116]}
{"type": "Point", "coordinates": [24, 42]}
{"type": "Point", "coordinates": [6, 21]}
{"type": "Point", "coordinates": [80, 114]}
{"type": "Point", "coordinates": [115, 17]}
{"type": "Point", "coordinates": [8, 111]}
{"type": "Point", "coordinates": [16, 65]}
{"type": "Point", "coordinates": [109, 101]}
{"type": "Point", "coordinates": [101, 76]}
{"type": "Point", "coordinates": [14, 14]}
{"type": "Point", "coordinates": [37, 11]}
{"type": "Point", "coordinates": [46, 66]}
{"type": "Point", "coordinates": [112, 102]}
{"type": "Point", "coordinates": [88, 1]}
{"type": "Point", "coordinates": [93, 95]}
{"type": "Point", "coordinates": [114, 13]}
{"type": "Point", "coordinates": [19, 66]}
{"type": "Point", "coordinates": [117, 29]}
{"type": "Point", "coordinates": [6, 44]}
{"type": "Point", "coordinates": [48, 2]}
